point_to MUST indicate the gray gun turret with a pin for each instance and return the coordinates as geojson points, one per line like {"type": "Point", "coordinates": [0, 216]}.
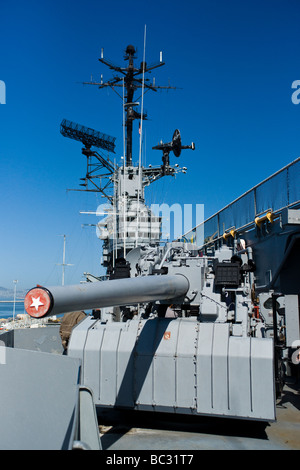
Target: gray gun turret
{"type": "Point", "coordinates": [41, 301]}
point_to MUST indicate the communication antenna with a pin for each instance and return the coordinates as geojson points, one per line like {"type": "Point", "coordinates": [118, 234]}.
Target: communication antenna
{"type": "Point", "coordinates": [64, 264]}
{"type": "Point", "coordinates": [132, 77]}
{"type": "Point", "coordinates": [141, 136]}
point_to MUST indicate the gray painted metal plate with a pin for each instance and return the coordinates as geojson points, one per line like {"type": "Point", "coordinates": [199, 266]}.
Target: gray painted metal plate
{"type": "Point", "coordinates": [38, 397]}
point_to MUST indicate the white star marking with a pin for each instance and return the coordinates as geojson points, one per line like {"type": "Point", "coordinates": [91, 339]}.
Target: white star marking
{"type": "Point", "coordinates": [36, 303]}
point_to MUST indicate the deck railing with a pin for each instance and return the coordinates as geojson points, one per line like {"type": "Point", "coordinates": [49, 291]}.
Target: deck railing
{"type": "Point", "coordinates": [280, 190]}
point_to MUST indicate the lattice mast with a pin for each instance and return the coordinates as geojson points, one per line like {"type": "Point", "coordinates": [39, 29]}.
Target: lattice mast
{"type": "Point", "coordinates": [131, 79]}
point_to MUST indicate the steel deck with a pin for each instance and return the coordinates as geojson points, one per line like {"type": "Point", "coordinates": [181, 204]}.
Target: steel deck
{"type": "Point", "coordinates": [124, 430]}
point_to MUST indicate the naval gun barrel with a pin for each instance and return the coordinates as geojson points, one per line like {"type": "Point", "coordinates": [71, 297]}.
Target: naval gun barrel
{"type": "Point", "coordinates": [41, 301]}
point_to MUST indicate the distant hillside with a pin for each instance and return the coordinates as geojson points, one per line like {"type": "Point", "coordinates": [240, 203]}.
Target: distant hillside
{"type": "Point", "coordinates": [9, 293]}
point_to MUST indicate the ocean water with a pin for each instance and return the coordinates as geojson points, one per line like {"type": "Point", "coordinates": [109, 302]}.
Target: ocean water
{"type": "Point", "coordinates": [6, 309]}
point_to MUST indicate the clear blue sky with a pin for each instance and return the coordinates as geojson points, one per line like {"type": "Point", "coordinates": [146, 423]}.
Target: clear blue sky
{"type": "Point", "coordinates": [233, 63]}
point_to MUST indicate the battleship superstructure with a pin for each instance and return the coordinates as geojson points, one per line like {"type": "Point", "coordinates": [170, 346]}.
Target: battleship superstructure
{"type": "Point", "coordinates": [129, 222]}
{"type": "Point", "coordinates": [129, 225]}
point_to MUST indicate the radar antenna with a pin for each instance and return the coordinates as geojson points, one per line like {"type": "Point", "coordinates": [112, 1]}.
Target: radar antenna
{"type": "Point", "coordinates": [95, 162]}
{"type": "Point", "coordinates": [174, 146]}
